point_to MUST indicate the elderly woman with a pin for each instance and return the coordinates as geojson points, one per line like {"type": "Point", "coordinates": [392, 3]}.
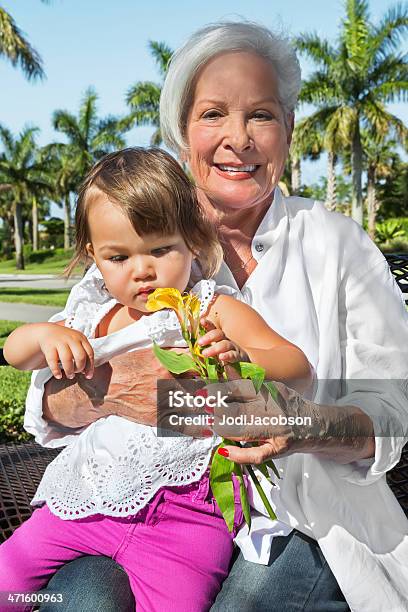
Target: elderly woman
{"type": "Point", "coordinates": [227, 109]}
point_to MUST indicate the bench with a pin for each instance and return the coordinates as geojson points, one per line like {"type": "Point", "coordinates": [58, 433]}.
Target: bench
{"type": "Point", "coordinates": [22, 465]}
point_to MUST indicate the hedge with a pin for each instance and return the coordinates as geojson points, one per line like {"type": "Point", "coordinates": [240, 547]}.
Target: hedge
{"type": "Point", "coordinates": [13, 390]}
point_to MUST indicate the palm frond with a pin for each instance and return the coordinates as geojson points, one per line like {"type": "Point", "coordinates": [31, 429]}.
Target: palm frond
{"type": "Point", "coordinates": [87, 121]}
{"type": "Point", "coordinates": [16, 48]}
{"type": "Point", "coordinates": [389, 33]}
{"type": "Point", "coordinates": [390, 68]}
{"type": "Point", "coordinates": [391, 91]}
{"type": "Point", "coordinates": [162, 55]}
{"type": "Point", "coordinates": [65, 122]}
{"type": "Point", "coordinates": [355, 35]}
{"type": "Point", "coordinates": [143, 99]}
{"type": "Point", "coordinates": [156, 139]}
{"type": "Point", "coordinates": [320, 51]}
{"type": "Point", "coordinates": [319, 89]}
{"type": "Point", "coordinates": [7, 139]}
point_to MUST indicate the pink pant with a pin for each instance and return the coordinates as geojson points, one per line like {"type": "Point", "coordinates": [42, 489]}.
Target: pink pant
{"type": "Point", "coordinates": [176, 551]}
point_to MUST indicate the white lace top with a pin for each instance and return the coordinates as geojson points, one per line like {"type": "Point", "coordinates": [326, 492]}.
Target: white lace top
{"type": "Point", "coordinates": [115, 466]}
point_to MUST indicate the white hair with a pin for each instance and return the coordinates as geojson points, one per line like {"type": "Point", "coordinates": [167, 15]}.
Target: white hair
{"type": "Point", "coordinates": [205, 44]}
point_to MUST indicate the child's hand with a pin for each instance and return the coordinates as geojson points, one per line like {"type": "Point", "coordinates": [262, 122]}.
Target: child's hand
{"type": "Point", "coordinates": [67, 349]}
{"type": "Point", "coordinates": [221, 346]}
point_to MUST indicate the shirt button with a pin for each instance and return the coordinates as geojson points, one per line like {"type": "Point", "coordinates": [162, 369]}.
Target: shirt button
{"type": "Point", "coordinates": [259, 247]}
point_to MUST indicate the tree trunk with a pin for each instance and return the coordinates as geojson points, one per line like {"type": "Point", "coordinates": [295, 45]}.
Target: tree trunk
{"type": "Point", "coordinates": [331, 195]}
{"type": "Point", "coordinates": [296, 178]}
{"type": "Point", "coordinates": [371, 200]}
{"type": "Point", "coordinates": [357, 164]}
{"type": "Point", "coordinates": [18, 235]}
{"type": "Point", "coordinates": [67, 222]}
{"type": "Point", "coordinates": [7, 247]}
{"type": "Point", "coordinates": [35, 223]}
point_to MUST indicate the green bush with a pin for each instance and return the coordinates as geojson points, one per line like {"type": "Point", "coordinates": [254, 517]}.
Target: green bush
{"type": "Point", "coordinates": [6, 327]}
{"type": "Point", "coordinates": [54, 254]}
{"type": "Point", "coordinates": [389, 230]}
{"type": "Point", "coordinates": [403, 221]}
{"type": "Point", "coordinates": [13, 390]}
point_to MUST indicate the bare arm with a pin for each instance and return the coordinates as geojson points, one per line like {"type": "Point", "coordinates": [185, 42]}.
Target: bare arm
{"type": "Point", "coordinates": [242, 325]}
{"type": "Point", "coordinates": [38, 345]}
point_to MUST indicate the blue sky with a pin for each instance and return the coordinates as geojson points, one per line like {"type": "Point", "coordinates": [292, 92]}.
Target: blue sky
{"type": "Point", "coordinates": [104, 44]}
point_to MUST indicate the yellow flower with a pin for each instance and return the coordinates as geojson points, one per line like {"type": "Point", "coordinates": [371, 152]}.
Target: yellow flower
{"type": "Point", "coordinates": [192, 308]}
{"type": "Point", "coordinates": [165, 298]}
{"type": "Point", "coordinates": [186, 307]}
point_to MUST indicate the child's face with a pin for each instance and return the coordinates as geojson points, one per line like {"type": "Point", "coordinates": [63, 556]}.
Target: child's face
{"type": "Point", "coordinates": [133, 266]}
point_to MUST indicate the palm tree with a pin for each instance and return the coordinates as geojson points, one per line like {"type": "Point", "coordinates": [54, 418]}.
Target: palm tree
{"type": "Point", "coordinates": [89, 139]}
{"type": "Point", "coordinates": [380, 156]}
{"type": "Point", "coordinates": [16, 48]}
{"type": "Point", "coordinates": [144, 97]}
{"type": "Point", "coordinates": [22, 172]}
{"type": "Point", "coordinates": [306, 144]}
{"type": "Point", "coordinates": [355, 79]}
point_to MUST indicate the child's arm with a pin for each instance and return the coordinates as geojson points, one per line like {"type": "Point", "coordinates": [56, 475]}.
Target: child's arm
{"type": "Point", "coordinates": [36, 345]}
{"type": "Point", "coordinates": [237, 322]}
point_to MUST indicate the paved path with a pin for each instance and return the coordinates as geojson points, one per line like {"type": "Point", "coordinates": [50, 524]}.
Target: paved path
{"type": "Point", "coordinates": [36, 281]}
{"type": "Point", "coordinates": [29, 313]}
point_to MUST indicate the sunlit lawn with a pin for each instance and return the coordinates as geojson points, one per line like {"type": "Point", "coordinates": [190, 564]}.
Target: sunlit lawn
{"type": "Point", "coordinates": [43, 297]}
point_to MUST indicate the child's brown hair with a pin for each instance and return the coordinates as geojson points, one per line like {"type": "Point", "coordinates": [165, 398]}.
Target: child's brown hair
{"type": "Point", "coordinates": [157, 197]}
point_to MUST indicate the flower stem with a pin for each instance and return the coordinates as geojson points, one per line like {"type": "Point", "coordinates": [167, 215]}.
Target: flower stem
{"type": "Point", "coordinates": [261, 493]}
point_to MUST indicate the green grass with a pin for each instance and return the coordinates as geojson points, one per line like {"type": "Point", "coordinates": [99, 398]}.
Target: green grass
{"type": "Point", "coordinates": [48, 267]}
{"type": "Point", "coordinates": [6, 327]}
{"type": "Point", "coordinates": [40, 262]}
{"type": "Point", "coordinates": [44, 297]}
{"type": "Point", "coordinates": [13, 390]}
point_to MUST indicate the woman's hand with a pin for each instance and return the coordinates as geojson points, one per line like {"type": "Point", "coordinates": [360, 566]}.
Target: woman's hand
{"type": "Point", "coordinates": [125, 386]}
{"type": "Point", "coordinates": [65, 349]}
{"type": "Point", "coordinates": [218, 345]}
{"type": "Point", "coordinates": [291, 424]}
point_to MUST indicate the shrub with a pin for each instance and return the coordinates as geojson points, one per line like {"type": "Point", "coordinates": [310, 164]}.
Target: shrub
{"type": "Point", "coordinates": [389, 230]}
{"type": "Point", "coordinates": [13, 390]}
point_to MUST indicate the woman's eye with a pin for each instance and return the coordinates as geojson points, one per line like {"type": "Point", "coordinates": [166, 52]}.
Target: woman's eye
{"type": "Point", "coordinates": [212, 114]}
{"type": "Point", "coordinates": [262, 116]}
{"type": "Point", "coordinates": [118, 258]}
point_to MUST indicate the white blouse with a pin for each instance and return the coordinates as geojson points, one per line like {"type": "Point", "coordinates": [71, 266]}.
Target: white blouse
{"type": "Point", "coordinates": [321, 283]}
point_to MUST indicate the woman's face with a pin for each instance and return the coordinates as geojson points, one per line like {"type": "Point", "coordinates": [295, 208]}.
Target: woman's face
{"type": "Point", "coordinates": [236, 131]}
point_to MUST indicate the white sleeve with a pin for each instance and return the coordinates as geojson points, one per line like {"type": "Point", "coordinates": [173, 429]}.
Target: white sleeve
{"type": "Point", "coordinates": [374, 347]}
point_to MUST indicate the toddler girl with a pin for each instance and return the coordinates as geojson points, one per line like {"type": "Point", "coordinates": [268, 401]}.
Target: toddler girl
{"type": "Point", "coordinates": [117, 489]}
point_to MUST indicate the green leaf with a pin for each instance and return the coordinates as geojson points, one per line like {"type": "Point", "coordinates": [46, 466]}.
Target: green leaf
{"type": "Point", "coordinates": [177, 363]}
{"type": "Point", "coordinates": [250, 370]}
{"type": "Point", "coordinates": [273, 467]}
{"type": "Point", "coordinates": [264, 470]}
{"type": "Point", "coordinates": [243, 495]}
{"type": "Point", "coordinates": [211, 367]}
{"type": "Point", "coordinates": [272, 390]}
{"type": "Point", "coordinates": [222, 486]}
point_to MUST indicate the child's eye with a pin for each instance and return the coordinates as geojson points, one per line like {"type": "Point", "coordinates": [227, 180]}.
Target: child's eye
{"type": "Point", "coordinates": [161, 250]}
{"type": "Point", "coordinates": [118, 258]}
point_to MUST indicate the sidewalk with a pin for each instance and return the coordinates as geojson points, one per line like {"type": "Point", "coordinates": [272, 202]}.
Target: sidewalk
{"type": "Point", "coordinates": [28, 313]}
{"type": "Point", "coordinates": [36, 281]}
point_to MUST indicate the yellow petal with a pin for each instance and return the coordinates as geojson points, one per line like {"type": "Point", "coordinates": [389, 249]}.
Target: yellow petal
{"type": "Point", "coordinates": [165, 298]}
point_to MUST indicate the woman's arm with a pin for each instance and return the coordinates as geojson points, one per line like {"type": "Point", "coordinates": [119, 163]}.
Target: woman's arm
{"type": "Point", "coordinates": [282, 360]}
